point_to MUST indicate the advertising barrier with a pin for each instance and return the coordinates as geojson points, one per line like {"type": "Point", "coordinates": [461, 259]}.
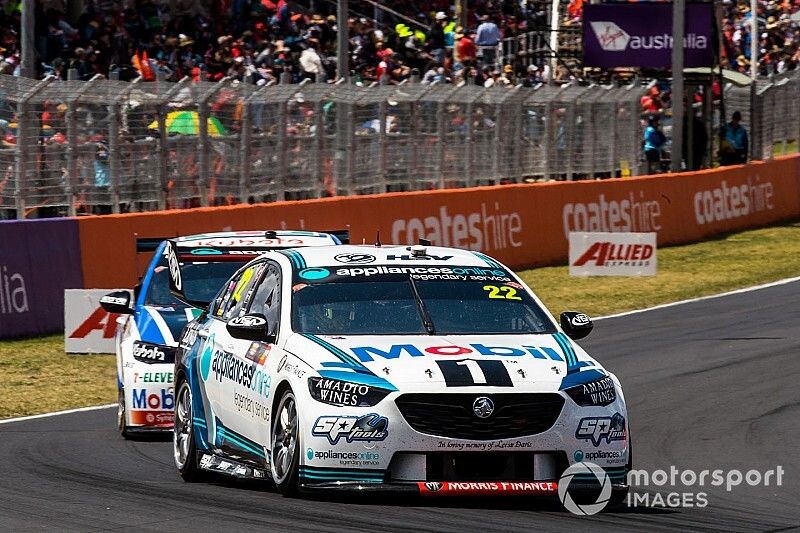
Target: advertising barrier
{"type": "Point", "coordinates": [640, 35]}
{"type": "Point", "coordinates": [612, 254]}
{"type": "Point", "coordinates": [38, 260]}
{"type": "Point", "coordinates": [88, 328]}
{"type": "Point", "coordinates": [521, 225]}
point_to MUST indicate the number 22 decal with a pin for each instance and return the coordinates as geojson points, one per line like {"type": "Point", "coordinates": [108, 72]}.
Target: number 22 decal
{"type": "Point", "coordinates": [501, 293]}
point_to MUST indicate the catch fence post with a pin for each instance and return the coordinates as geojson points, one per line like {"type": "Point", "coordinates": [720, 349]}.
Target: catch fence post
{"type": "Point", "coordinates": [72, 140]}
{"type": "Point", "coordinates": [163, 141]}
{"type": "Point", "coordinates": [383, 138]}
{"type": "Point", "coordinates": [24, 126]}
{"type": "Point", "coordinates": [244, 144]}
{"type": "Point", "coordinates": [114, 148]}
{"type": "Point", "coordinates": [203, 146]}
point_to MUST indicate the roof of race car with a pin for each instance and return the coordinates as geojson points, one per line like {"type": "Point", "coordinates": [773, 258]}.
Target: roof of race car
{"type": "Point", "coordinates": [256, 239]}
{"type": "Point", "coordinates": [357, 255]}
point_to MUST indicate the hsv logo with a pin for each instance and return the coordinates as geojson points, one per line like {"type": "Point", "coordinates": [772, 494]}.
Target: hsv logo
{"type": "Point", "coordinates": [612, 38]}
{"type": "Point", "coordinates": [100, 320]}
{"type": "Point", "coordinates": [602, 252]}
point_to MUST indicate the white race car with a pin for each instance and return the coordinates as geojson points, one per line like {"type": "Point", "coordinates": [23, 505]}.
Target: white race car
{"type": "Point", "coordinates": [423, 369]}
{"type": "Point", "coordinates": [153, 319]}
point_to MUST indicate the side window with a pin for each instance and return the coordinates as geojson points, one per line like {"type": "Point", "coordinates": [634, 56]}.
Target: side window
{"type": "Point", "coordinates": [242, 292]}
{"type": "Point", "coordinates": [267, 298]}
{"type": "Point", "coordinates": [218, 306]}
{"type": "Point", "coordinates": [236, 294]}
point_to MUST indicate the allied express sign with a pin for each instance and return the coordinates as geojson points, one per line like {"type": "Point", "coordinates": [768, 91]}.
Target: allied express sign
{"type": "Point", "coordinates": [640, 35]}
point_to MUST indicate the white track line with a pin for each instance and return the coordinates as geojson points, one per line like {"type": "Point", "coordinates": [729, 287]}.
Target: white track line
{"type": "Point", "coordinates": [626, 313]}
{"type": "Point", "coordinates": [57, 413]}
{"type": "Point", "coordinates": [701, 298]}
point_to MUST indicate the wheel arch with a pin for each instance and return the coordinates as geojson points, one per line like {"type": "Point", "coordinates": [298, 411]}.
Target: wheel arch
{"type": "Point", "coordinates": [282, 387]}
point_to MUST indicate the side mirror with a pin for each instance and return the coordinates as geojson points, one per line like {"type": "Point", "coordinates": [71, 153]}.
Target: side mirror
{"type": "Point", "coordinates": [117, 302]}
{"type": "Point", "coordinates": [576, 325]}
{"type": "Point", "coordinates": [250, 328]}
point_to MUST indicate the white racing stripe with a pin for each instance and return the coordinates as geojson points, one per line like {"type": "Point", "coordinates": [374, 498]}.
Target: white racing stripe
{"type": "Point", "coordinates": [626, 313]}
{"type": "Point", "coordinates": [57, 413]}
{"type": "Point", "coordinates": [701, 298]}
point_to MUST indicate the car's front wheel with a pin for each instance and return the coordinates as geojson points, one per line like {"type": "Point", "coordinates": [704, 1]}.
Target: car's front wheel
{"type": "Point", "coordinates": [183, 446]}
{"type": "Point", "coordinates": [285, 445]}
{"type": "Point", "coordinates": [122, 414]}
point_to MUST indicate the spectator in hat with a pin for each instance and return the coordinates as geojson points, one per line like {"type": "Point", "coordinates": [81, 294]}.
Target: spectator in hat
{"type": "Point", "coordinates": [533, 76]}
{"type": "Point", "coordinates": [436, 38]}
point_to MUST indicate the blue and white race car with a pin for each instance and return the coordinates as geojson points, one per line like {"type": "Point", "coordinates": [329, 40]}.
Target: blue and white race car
{"type": "Point", "coordinates": [424, 369]}
{"type": "Point", "coordinates": [152, 321]}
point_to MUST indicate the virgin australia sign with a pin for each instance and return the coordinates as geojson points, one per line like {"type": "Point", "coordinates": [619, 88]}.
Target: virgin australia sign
{"type": "Point", "coordinates": [640, 35]}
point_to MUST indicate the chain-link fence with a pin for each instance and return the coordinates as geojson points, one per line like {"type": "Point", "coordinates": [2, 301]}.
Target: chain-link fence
{"type": "Point", "coordinates": [102, 146]}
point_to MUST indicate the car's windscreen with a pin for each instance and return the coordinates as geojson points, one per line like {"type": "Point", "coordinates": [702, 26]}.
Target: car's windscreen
{"type": "Point", "coordinates": [403, 304]}
{"type": "Point", "coordinates": [201, 281]}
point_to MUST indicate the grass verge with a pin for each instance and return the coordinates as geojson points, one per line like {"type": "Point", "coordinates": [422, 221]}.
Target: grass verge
{"type": "Point", "coordinates": [722, 264]}
{"type": "Point", "coordinates": [36, 376]}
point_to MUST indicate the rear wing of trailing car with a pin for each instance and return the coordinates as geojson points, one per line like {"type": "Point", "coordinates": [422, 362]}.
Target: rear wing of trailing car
{"type": "Point", "coordinates": [343, 235]}
{"type": "Point", "coordinates": [176, 286]}
{"type": "Point", "coordinates": [150, 244]}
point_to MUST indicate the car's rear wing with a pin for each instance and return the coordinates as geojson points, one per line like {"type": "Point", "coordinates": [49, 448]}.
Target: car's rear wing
{"type": "Point", "coordinates": [342, 234]}
{"type": "Point", "coordinates": [150, 244]}
{"type": "Point", "coordinates": [176, 287]}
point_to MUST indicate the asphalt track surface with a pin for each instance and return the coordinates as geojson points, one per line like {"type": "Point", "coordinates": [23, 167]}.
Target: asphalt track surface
{"type": "Point", "coordinates": [710, 385]}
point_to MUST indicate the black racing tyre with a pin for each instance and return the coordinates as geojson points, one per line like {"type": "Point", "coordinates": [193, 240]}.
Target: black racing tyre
{"type": "Point", "coordinates": [618, 496]}
{"type": "Point", "coordinates": [122, 414]}
{"type": "Point", "coordinates": [286, 445]}
{"type": "Point", "coordinates": [183, 448]}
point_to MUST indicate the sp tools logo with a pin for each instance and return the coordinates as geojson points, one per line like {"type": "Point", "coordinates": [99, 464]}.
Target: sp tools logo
{"type": "Point", "coordinates": [371, 427]}
{"type": "Point", "coordinates": [584, 470]}
{"type": "Point", "coordinates": [611, 37]}
{"type": "Point", "coordinates": [602, 428]}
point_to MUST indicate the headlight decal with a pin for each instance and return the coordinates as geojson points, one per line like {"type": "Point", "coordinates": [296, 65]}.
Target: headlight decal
{"type": "Point", "coordinates": [600, 392]}
{"type": "Point", "coordinates": [341, 392]}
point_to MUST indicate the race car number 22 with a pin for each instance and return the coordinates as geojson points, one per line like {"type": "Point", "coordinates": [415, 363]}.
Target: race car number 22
{"type": "Point", "coordinates": [501, 293]}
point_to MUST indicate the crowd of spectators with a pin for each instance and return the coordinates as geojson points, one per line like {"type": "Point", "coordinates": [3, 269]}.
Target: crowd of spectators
{"type": "Point", "coordinates": [263, 40]}
{"type": "Point", "coordinates": [778, 40]}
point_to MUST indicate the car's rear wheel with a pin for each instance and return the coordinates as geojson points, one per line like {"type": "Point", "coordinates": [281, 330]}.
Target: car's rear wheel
{"type": "Point", "coordinates": [183, 447]}
{"type": "Point", "coordinates": [122, 414]}
{"type": "Point", "coordinates": [286, 445]}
